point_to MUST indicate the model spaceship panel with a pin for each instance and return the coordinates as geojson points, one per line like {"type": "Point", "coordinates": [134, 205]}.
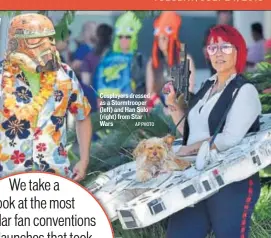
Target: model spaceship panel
{"type": "Point", "coordinates": [138, 205]}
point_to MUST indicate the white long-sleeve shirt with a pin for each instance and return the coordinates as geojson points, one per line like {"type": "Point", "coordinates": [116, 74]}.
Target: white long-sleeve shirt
{"type": "Point", "coordinates": [243, 113]}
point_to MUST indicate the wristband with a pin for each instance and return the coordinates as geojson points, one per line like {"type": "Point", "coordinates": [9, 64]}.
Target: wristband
{"type": "Point", "coordinates": [152, 101]}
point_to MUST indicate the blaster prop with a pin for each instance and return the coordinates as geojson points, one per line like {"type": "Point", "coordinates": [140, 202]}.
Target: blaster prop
{"type": "Point", "coordinates": [179, 75]}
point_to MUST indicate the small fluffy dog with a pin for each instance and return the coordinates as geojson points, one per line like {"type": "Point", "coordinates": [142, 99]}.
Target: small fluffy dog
{"type": "Point", "coordinates": [155, 155]}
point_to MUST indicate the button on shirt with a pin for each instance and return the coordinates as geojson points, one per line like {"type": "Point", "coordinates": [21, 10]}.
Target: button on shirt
{"type": "Point", "coordinates": [42, 148]}
{"type": "Point", "coordinates": [244, 111]}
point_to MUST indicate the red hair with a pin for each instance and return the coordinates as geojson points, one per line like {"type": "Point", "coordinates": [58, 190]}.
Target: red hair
{"type": "Point", "coordinates": [233, 36]}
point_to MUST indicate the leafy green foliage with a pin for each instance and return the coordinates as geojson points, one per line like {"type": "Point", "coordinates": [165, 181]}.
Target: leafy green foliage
{"type": "Point", "coordinates": [10, 13]}
{"type": "Point", "coordinates": [262, 217]}
{"type": "Point", "coordinates": [62, 28]}
{"type": "Point", "coordinates": [262, 80]}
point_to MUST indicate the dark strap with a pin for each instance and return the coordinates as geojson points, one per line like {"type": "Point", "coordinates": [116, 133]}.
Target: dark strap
{"type": "Point", "coordinates": [223, 119]}
{"type": "Point", "coordinates": [175, 127]}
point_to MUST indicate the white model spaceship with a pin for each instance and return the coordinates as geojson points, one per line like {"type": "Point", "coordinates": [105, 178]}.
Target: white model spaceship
{"type": "Point", "coordinates": [138, 205]}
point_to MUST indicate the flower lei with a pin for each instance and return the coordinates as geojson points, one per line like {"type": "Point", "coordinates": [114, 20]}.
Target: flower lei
{"type": "Point", "coordinates": [29, 112]}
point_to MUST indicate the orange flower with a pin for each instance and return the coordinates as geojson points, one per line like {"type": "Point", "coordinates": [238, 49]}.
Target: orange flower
{"type": "Point", "coordinates": [10, 102]}
{"type": "Point", "coordinates": [50, 129]}
{"type": "Point", "coordinates": [62, 107]}
{"type": "Point", "coordinates": [3, 157]}
{"type": "Point", "coordinates": [56, 136]}
{"type": "Point", "coordinates": [87, 107]}
{"type": "Point", "coordinates": [64, 85]}
{"type": "Point", "coordinates": [10, 90]}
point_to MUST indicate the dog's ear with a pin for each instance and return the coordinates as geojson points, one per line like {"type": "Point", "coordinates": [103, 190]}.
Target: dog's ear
{"type": "Point", "coordinates": [169, 139]}
{"type": "Point", "coordinates": [139, 149]}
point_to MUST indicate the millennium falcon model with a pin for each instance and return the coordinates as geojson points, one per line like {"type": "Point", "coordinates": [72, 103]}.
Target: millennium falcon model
{"type": "Point", "coordinates": [139, 205]}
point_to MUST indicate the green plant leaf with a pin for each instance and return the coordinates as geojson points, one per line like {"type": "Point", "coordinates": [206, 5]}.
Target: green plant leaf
{"type": "Point", "coordinates": [144, 14]}
{"type": "Point", "coordinates": [18, 13]}
{"type": "Point", "coordinates": [62, 28]}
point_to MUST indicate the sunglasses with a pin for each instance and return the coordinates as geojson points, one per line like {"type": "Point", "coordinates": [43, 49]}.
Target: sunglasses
{"type": "Point", "coordinates": [125, 37]}
{"type": "Point", "coordinates": [225, 48]}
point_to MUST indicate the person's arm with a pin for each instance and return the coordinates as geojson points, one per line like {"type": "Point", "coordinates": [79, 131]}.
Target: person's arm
{"type": "Point", "coordinates": [176, 116]}
{"type": "Point", "coordinates": [149, 78]}
{"type": "Point", "coordinates": [192, 75]}
{"type": "Point", "coordinates": [79, 107]}
{"type": "Point", "coordinates": [78, 56]}
{"type": "Point", "coordinates": [84, 134]}
{"type": "Point", "coordinates": [245, 110]}
{"type": "Point", "coordinates": [86, 70]}
{"type": "Point", "coordinates": [175, 110]}
{"type": "Point", "coordinates": [86, 78]}
{"type": "Point", "coordinates": [76, 64]}
{"type": "Point", "coordinates": [193, 148]}
{"type": "Point", "coordinates": [150, 87]}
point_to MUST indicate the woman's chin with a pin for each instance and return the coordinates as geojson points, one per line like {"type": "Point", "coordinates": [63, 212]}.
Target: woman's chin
{"type": "Point", "coordinates": [221, 69]}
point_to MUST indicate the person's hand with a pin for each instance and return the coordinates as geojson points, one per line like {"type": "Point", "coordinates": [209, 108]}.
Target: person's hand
{"type": "Point", "coordinates": [79, 171]}
{"type": "Point", "coordinates": [76, 65]}
{"type": "Point", "coordinates": [184, 151]}
{"type": "Point", "coordinates": [171, 100]}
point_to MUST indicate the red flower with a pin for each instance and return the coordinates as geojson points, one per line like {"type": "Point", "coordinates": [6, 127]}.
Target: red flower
{"type": "Point", "coordinates": [268, 90]}
{"type": "Point", "coordinates": [18, 157]}
{"type": "Point", "coordinates": [73, 109]}
{"type": "Point", "coordinates": [6, 113]}
{"type": "Point", "coordinates": [37, 133]}
{"type": "Point", "coordinates": [63, 153]}
{"type": "Point", "coordinates": [6, 110]}
{"type": "Point", "coordinates": [41, 147]}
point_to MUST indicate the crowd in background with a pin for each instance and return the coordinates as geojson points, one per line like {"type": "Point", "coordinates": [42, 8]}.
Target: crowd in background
{"type": "Point", "coordinates": [96, 40]}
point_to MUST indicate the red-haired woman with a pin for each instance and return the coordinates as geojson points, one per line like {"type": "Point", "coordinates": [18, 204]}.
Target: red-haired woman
{"type": "Point", "coordinates": [228, 212]}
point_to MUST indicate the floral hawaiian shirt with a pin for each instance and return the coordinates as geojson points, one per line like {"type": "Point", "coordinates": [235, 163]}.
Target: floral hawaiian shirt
{"type": "Point", "coordinates": [42, 148]}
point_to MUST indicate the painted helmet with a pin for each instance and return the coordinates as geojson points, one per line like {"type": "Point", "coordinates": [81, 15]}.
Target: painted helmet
{"type": "Point", "coordinates": [31, 43]}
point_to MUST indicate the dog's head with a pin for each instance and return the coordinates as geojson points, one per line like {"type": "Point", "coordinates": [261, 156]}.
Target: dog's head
{"type": "Point", "coordinates": [154, 149]}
